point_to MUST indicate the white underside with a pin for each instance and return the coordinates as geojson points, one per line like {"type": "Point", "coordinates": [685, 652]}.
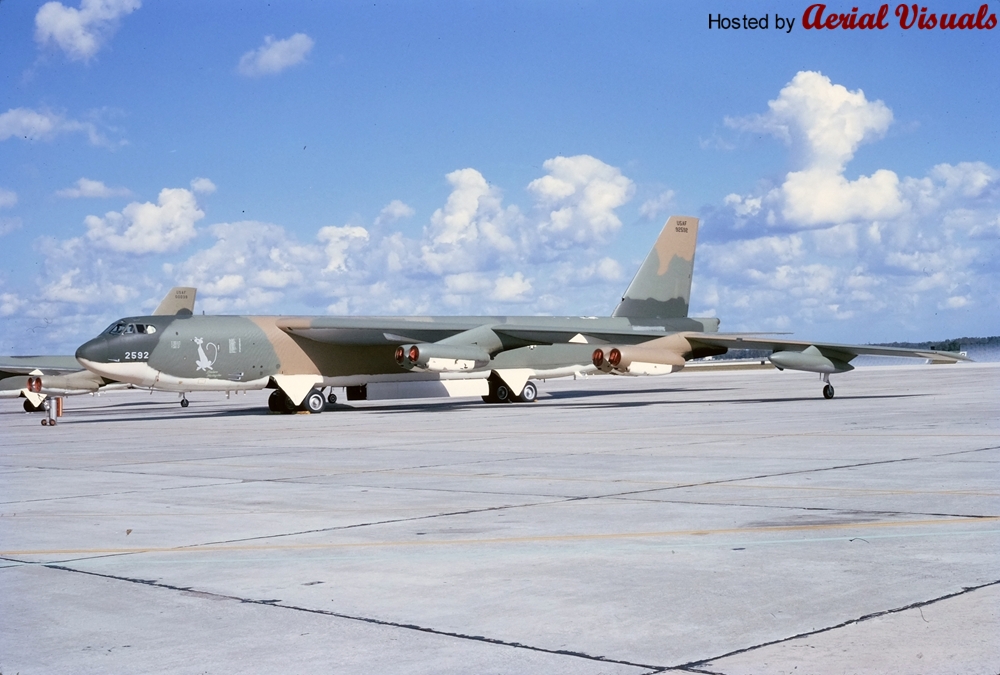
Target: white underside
{"type": "Point", "coordinates": [639, 368]}
{"type": "Point", "coordinates": [141, 374]}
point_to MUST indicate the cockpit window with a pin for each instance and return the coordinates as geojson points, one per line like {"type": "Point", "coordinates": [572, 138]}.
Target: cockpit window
{"type": "Point", "coordinates": [122, 328]}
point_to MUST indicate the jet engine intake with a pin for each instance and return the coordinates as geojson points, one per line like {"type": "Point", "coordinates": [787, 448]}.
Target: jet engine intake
{"type": "Point", "coordinates": [439, 358]}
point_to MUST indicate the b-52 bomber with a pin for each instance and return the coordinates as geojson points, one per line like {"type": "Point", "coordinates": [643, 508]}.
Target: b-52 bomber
{"type": "Point", "coordinates": [649, 333]}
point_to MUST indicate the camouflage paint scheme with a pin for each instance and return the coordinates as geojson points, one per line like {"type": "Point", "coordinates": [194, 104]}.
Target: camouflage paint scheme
{"type": "Point", "coordinates": [648, 333]}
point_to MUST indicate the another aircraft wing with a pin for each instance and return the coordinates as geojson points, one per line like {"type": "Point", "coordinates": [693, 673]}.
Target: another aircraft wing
{"type": "Point", "coordinates": [48, 365]}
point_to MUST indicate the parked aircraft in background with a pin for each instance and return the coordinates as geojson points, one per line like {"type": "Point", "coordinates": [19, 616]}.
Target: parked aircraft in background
{"type": "Point", "coordinates": [649, 333]}
{"type": "Point", "coordinates": [34, 378]}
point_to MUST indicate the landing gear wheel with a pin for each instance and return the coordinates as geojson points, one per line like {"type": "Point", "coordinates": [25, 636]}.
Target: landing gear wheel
{"type": "Point", "coordinates": [528, 394]}
{"type": "Point", "coordinates": [287, 406]}
{"type": "Point", "coordinates": [45, 422]}
{"type": "Point", "coordinates": [185, 403]}
{"type": "Point", "coordinates": [828, 391]}
{"type": "Point", "coordinates": [274, 402]}
{"type": "Point", "coordinates": [502, 393]}
{"type": "Point", "coordinates": [314, 402]}
{"type": "Point", "coordinates": [331, 398]}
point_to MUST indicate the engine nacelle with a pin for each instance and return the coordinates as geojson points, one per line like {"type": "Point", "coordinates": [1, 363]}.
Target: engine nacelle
{"type": "Point", "coordinates": [441, 358]}
{"type": "Point", "coordinates": [810, 360]}
{"type": "Point", "coordinates": [60, 385]}
{"type": "Point", "coordinates": [638, 360]}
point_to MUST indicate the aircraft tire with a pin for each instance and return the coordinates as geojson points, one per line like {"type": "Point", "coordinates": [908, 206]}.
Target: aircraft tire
{"type": "Point", "coordinates": [45, 421]}
{"type": "Point", "coordinates": [331, 398]}
{"type": "Point", "coordinates": [274, 403]}
{"type": "Point", "coordinates": [314, 402]}
{"type": "Point", "coordinates": [528, 394]}
{"type": "Point", "coordinates": [287, 407]}
{"type": "Point", "coordinates": [503, 393]}
{"type": "Point", "coordinates": [185, 403]}
{"type": "Point", "coordinates": [828, 391]}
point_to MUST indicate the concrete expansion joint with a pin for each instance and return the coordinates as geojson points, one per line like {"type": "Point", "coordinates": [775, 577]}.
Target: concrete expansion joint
{"type": "Point", "coordinates": [369, 620]}
{"type": "Point", "coordinates": [692, 665]}
{"type": "Point", "coordinates": [393, 521]}
{"type": "Point", "coordinates": [819, 509]}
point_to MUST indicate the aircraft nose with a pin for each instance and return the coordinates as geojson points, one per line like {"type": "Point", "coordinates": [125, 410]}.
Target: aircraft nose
{"type": "Point", "coordinates": [95, 351]}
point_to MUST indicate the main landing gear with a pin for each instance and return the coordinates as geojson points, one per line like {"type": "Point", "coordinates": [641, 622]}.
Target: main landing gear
{"type": "Point", "coordinates": [314, 402]}
{"type": "Point", "coordinates": [184, 401]}
{"type": "Point", "coordinates": [501, 393]}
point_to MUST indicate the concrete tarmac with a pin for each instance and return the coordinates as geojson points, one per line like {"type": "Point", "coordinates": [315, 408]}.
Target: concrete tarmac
{"type": "Point", "coordinates": [704, 522]}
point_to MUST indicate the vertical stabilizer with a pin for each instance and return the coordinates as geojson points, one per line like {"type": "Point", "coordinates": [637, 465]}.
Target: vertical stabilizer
{"type": "Point", "coordinates": [180, 300]}
{"type": "Point", "coordinates": [661, 288]}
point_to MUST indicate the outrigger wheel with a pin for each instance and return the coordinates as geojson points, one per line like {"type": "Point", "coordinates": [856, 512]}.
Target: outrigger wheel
{"type": "Point", "coordinates": [828, 391]}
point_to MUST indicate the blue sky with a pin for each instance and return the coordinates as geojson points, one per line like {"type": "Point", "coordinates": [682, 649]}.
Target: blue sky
{"type": "Point", "coordinates": [516, 158]}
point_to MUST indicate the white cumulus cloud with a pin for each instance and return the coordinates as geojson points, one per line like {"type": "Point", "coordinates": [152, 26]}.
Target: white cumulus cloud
{"type": "Point", "coordinates": [275, 56]}
{"type": "Point", "coordinates": [248, 265]}
{"type": "Point", "coordinates": [44, 125]}
{"type": "Point", "coordinates": [147, 227]}
{"type": "Point", "coordinates": [471, 231]}
{"type": "Point", "coordinates": [10, 303]}
{"type": "Point", "coordinates": [80, 32]}
{"type": "Point", "coordinates": [340, 240]}
{"type": "Point", "coordinates": [393, 211]}
{"type": "Point", "coordinates": [651, 208]}
{"type": "Point", "coordinates": [889, 251]}
{"type": "Point", "coordinates": [513, 288]}
{"type": "Point", "coordinates": [826, 123]}
{"type": "Point", "coordinates": [580, 195]}
{"type": "Point", "coordinates": [86, 187]}
{"type": "Point", "coordinates": [8, 198]}
{"type": "Point", "coordinates": [203, 186]}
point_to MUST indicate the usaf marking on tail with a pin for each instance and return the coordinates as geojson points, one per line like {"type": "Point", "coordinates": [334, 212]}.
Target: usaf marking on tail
{"type": "Point", "coordinates": [649, 333]}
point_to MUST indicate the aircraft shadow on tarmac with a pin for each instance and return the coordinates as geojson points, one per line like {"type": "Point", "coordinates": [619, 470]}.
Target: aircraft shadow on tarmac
{"type": "Point", "coordinates": [562, 399]}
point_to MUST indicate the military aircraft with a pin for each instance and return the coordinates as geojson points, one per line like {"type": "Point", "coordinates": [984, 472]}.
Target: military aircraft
{"type": "Point", "coordinates": [34, 378]}
{"type": "Point", "coordinates": [649, 333]}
